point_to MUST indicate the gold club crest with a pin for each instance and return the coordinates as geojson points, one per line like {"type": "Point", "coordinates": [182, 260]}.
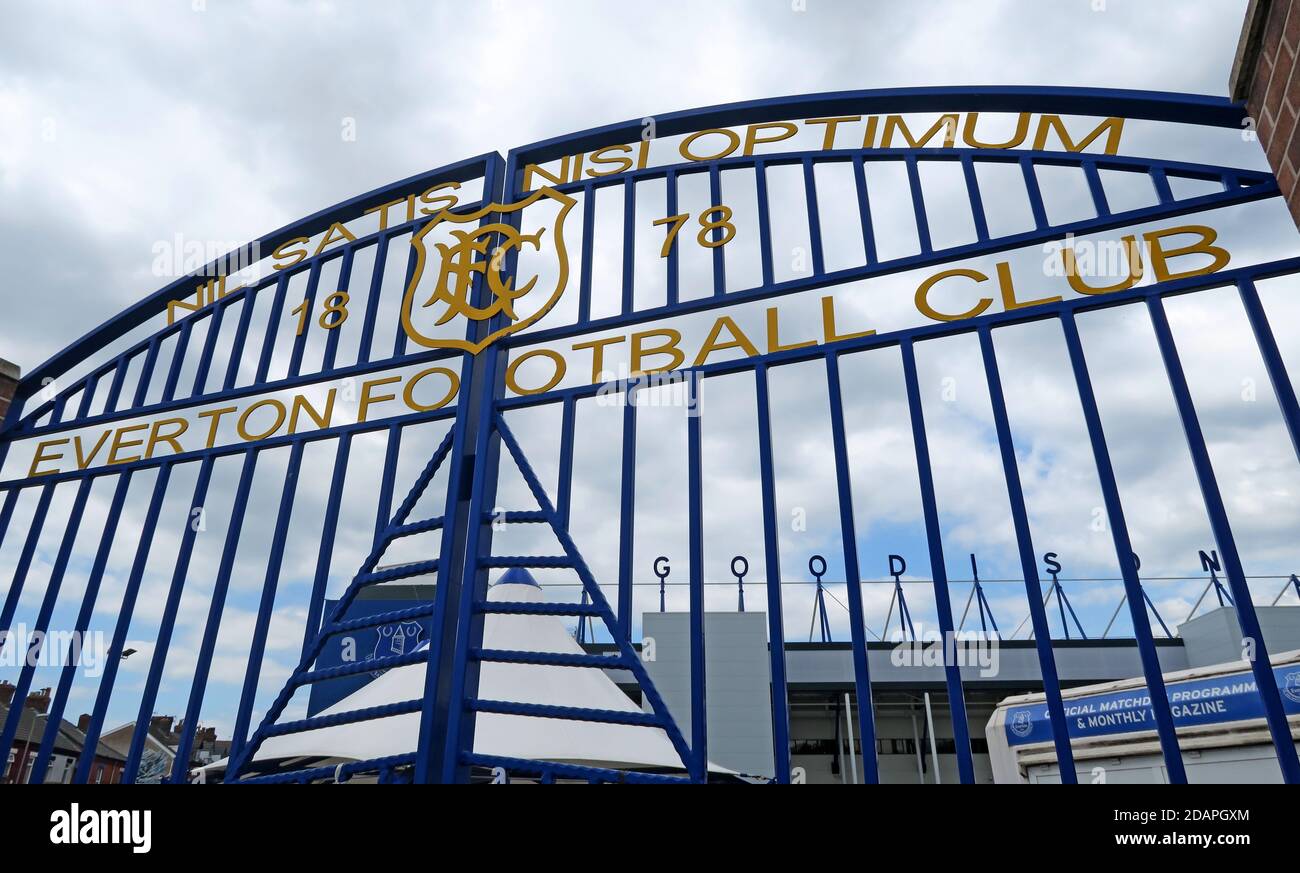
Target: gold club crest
{"type": "Point", "coordinates": [472, 253]}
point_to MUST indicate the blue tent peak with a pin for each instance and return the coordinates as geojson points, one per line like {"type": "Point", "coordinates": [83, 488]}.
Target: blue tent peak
{"type": "Point", "coordinates": [517, 576]}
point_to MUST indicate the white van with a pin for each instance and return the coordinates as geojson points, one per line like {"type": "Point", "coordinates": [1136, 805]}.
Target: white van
{"type": "Point", "coordinates": [1217, 713]}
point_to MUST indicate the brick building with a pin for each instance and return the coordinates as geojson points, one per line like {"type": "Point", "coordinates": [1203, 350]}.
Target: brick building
{"type": "Point", "coordinates": [66, 749]}
{"type": "Point", "coordinates": [9, 375]}
{"type": "Point", "coordinates": [1266, 77]}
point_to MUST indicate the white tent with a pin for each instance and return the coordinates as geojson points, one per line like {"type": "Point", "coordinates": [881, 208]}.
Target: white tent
{"type": "Point", "coordinates": [558, 740]}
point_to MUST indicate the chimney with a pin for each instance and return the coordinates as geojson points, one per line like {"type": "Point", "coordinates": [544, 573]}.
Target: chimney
{"type": "Point", "coordinates": [6, 692]}
{"type": "Point", "coordinates": [39, 701]}
{"type": "Point", "coordinates": [1266, 77]}
{"type": "Point", "coordinates": [163, 723]}
{"type": "Point", "coordinates": [83, 722]}
{"type": "Point", "coordinates": [9, 376]}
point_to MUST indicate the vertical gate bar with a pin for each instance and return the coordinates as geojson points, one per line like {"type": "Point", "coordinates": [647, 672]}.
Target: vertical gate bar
{"type": "Point", "coordinates": [564, 490]}
{"type": "Point", "coordinates": [32, 646]}
{"type": "Point", "coordinates": [1028, 565]}
{"type": "Point", "coordinates": [719, 259]}
{"type": "Point", "coordinates": [6, 516]}
{"type": "Point", "coordinates": [69, 670]}
{"type": "Point", "coordinates": [270, 583]}
{"type": "Point", "coordinates": [167, 625]}
{"type": "Point", "coordinates": [199, 686]}
{"type": "Point", "coordinates": [674, 279]}
{"type": "Point", "coordinates": [325, 553]}
{"type": "Point", "coordinates": [344, 286]}
{"type": "Point", "coordinates": [764, 221]}
{"type": "Point", "coordinates": [1260, 663]}
{"type": "Point", "coordinates": [627, 513]}
{"type": "Point", "coordinates": [448, 599]}
{"type": "Point", "coordinates": [864, 211]}
{"type": "Point", "coordinates": [1268, 349]}
{"type": "Point", "coordinates": [938, 569]}
{"type": "Point", "coordinates": [852, 576]}
{"type": "Point", "coordinates": [1034, 192]}
{"type": "Point", "coordinates": [399, 342]}
{"type": "Point", "coordinates": [240, 341]}
{"type": "Point", "coordinates": [1124, 552]}
{"type": "Point", "coordinates": [88, 395]}
{"type": "Point", "coordinates": [1096, 189]}
{"type": "Point", "coordinates": [25, 561]}
{"type": "Point", "coordinates": [209, 348]}
{"type": "Point", "coordinates": [178, 360]}
{"type": "Point", "coordinates": [814, 217]}
{"type": "Point", "coordinates": [461, 721]}
{"type": "Point", "coordinates": [146, 372]}
{"type": "Point", "coordinates": [124, 614]}
{"type": "Point", "coordinates": [272, 326]}
{"type": "Point", "coordinates": [918, 205]}
{"type": "Point", "coordinates": [372, 299]}
{"type": "Point", "coordinates": [695, 520]}
{"type": "Point", "coordinates": [308, 318]}
{"type": "Point", "coordinates": [588, 244]}
{"type": "Point", "coordinates": [629, 244]}
{"type": "Point", "coordinates": [1161, 183]}
{"type": "Point", "coordinates": [384, 507]}
{"type": "Point", "coordinates": [115, 390]}
{"type": "Point", "coordinates": [473, 454]}
{"type": "Point", "coordinates": [976, 198]}
{"type": "Point", "coordinates": [772, 553]}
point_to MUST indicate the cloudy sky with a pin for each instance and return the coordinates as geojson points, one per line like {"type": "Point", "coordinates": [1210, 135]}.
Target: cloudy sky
{"type": "Point", "coordinates": [124, 128]}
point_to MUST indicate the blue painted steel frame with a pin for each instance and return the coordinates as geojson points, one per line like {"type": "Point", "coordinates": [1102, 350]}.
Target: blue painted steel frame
{"type": "Point", "coordinates": [450, 702]}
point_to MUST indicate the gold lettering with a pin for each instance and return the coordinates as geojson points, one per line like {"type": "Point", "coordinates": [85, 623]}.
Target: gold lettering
{"type": "Point", "coordinates": [382, 209]}
{"type": "Point", "coordinates": [923, 295]}
{"type": "Point", "coordinates": [948, 123]}
{"type": "Point", "coordinates": [774, 341]}
{"type": "Point", "coordinates": [531, 170]}
{"type": "Point", "coordinates": [968, 133]}
{"type": "Point", "coordinates": [297, 255]}
{"type": "Point", "coordinates": [554, 356]}
{"type": "Point", "coordinates": [828, 323]}
{"type": "Point", "coordinates": [157, 436]}
{"type": "Point", "coordinates": [621, 164]}
{"type": "Point", "coordinates": [435, 203]}
{"type": "Point", "coordinates": [241, 427]}
{"type": "Point", "coordinates": [1113, 128]}
{"type": "Point", "coordinates": [597, 347]}
{"type": "Point", "coordinates": [828, 141]}
{"type": "Point", "coordinates": [669, 347]}
{"type": "Point", "coordinates": [173, 305]}
{"type": "Point", "coordinates": [1135, 270]}
{"type": "Point", "coordinates": [343, 234]}
{"type": "Point", "coordinates": [301, 404]}
{"type": "Point", "coordinates": [752, 132]}
{"type": "Point", "coordinates": [41, 458]}
{"type": "Point", "coordinates": [408, 393]}
{"type": "Point", "coordinates": [738, 340]}
{"type": "Point", "coordinates": [1009, 301]}
{"type": "Point", "coordinates": [215, 415]}
{"type": "Point", "coordinates": [119, 444]}
{"type": "Point", "coordinates": [367, 401]}
{"type": "Point", "coordinates": [82, 460]}
{"type": "Point", "coordinates": [1160, 255]}
{"type": "Point", "coordinates": [733, 143]}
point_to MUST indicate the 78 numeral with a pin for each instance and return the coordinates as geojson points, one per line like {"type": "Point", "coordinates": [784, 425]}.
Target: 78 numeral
{"type": "Point", "coordinates": [712, 219]}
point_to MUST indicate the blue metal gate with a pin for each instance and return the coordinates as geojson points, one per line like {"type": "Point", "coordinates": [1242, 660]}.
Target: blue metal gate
{"type": "Point", "coordinates": [131, 368]}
